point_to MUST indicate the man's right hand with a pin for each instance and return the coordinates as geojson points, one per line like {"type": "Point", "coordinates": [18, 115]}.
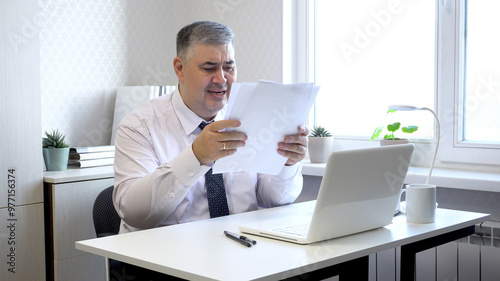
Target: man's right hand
{"type": "Point", "coordinates": [213, 143]}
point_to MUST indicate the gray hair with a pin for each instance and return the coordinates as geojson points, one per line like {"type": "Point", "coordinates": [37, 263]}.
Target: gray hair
{"type": "Point", "coordinates": [204, 32]}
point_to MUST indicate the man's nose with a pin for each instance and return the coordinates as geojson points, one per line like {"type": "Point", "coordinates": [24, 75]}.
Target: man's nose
{"type": "Point", "coordinates": [219, 77]}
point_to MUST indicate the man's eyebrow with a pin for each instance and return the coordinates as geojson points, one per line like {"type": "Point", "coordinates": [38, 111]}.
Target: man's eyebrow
{"type": "Point", "coordinates": [209, 63]}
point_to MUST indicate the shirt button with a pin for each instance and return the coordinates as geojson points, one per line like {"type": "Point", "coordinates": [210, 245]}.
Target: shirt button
{"type": "Point", "coordinates": [190, 174]}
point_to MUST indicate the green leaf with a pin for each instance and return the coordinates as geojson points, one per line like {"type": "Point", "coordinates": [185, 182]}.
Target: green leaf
{"type": "Point", "coordinates": [319, 132]}
{"type": "Point", "coordinates": [376, 133]}
{"type": "Point", "coordinates": [409, 129]}
{"type": "Point", "coordinates": [55, 139]}
{"type": "Point", "coordinates": [393, 127]}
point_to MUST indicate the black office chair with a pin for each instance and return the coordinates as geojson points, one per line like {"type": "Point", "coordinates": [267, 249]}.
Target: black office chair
{"type": "Point", "coordinates": [106, 223]}
{"type": "Point", "coordinates": [106, 219]}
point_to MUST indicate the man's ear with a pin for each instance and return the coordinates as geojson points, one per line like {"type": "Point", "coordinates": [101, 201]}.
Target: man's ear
{"type": "Point", "coordinates": [179, 68]}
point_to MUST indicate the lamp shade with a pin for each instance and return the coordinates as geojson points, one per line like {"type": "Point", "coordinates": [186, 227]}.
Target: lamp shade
{"type": "Point", "coordinates": [404, 107]}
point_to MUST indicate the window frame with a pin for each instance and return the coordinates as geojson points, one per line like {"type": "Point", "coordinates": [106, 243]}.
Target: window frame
{"type": "Point", "coordinates": [449, 76]}
{"type": "Point", "coordinates": [451, 91]}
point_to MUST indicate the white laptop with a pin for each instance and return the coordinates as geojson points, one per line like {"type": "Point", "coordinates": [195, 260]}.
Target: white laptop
{"type": "Point", "coordinates": [359, 192]}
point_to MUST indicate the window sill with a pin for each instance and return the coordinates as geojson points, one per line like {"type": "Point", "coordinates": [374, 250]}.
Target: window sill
{"type": "Point", "coordinates": [451, 178]}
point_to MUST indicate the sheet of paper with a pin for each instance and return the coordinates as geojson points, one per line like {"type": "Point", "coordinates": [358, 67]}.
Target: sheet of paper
{"type": "Point", "coordinates": [268, 112]}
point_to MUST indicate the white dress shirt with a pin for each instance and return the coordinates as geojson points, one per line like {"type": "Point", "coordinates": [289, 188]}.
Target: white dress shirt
{"type": "Point", "coordinates": [159, 181]}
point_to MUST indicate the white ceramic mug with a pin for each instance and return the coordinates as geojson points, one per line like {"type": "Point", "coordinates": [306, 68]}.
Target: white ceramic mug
{"type": "Point", "coordinates": [420, 205]}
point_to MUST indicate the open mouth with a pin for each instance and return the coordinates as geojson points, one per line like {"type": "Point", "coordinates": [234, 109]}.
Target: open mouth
{"type": "Point", "coordinates": [217, 93]}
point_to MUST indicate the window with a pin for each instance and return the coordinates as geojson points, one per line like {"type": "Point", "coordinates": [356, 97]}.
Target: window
{"type": "Point", "coordinates": [371, 54]}
{"type": "Point", "coordinates": [482, 72]}
{"type": "Point", "coordinates": [465, 70]}
{"type": "Point", "coordinates": [440, 54]}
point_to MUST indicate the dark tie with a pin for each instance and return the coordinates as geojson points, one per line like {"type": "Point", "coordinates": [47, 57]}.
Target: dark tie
{"type": "Point", "coordinates": [216, 194]}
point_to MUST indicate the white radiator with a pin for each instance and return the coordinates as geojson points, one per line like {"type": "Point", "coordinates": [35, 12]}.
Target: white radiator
{"type": "Point", "coordinates": [474, 258]}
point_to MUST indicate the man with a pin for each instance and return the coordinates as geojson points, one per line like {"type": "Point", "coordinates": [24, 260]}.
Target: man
{"type": "Point", "coordinates": [162, 155]}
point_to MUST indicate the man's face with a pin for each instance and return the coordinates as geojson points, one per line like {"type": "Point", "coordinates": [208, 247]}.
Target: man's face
{"type": "Point", "coordinates": [205, 82]}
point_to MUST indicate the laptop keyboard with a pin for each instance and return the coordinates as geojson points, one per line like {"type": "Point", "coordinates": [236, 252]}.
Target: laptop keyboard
{"type": "Point", "coordinates": [297, 230]}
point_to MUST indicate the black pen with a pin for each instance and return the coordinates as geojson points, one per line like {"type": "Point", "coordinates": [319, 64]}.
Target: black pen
{"type": "Point", "coordinates": [237, 239]}
{"type": "Point", "coordinates": [242, 237]}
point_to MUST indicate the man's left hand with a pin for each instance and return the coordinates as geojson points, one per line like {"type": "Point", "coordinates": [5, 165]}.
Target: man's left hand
{"type": "Point", "coordinates": [294, 147]}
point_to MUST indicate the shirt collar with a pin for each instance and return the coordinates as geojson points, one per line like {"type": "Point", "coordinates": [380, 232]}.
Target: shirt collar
{"type": "Point", "coordinates": [188, 119]}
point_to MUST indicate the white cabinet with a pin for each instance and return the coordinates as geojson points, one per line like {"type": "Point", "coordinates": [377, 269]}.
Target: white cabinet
{"type": "Point", "coordinates": [69, 198]}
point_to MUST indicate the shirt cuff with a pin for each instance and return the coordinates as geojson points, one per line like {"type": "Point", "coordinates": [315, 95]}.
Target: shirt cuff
{"type": "Point", "coordinates": [186, 167]}
{"type": "Point", "coordinates": [290, 171]}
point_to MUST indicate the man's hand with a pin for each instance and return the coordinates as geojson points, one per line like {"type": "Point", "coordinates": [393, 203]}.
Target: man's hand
{"type": "Point", "coordinates": [213, 143]}
{"type": "Point", "coordinates": [294, 147]}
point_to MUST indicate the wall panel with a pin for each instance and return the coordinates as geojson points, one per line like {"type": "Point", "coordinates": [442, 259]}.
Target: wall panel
{"type": "Point", "coordinates": [21, 194]}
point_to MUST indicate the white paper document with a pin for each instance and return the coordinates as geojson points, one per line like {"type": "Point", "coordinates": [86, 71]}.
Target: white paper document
{"type": "Point", "coordinates": [268, 112]}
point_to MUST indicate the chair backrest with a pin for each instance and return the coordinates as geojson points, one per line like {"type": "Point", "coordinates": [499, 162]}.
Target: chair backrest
{"type": "Point", "coordinates": [106, 219]}
{"type": "Point", "coordinates": [130, 97]}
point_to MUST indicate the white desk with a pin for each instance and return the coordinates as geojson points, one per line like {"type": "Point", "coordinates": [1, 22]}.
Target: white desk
{"type": "Point", "coordinates": [200, 251]}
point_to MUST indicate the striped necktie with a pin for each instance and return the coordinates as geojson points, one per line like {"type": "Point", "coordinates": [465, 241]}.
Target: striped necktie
{"type": "Point", "coordinates": [216, 193]}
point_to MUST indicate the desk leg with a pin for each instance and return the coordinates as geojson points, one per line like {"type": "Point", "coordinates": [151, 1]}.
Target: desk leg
{"type": "Point", "coordinates": [356, 269]}
{"type": "Point", "coordinates": [409, 251]}
{"type": "Point", "coordinates": [106, 260]}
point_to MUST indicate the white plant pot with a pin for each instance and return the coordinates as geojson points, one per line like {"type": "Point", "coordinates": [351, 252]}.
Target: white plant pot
{"type": "Point", "coordinates": [320, 148]}
{"type": "Point", "coordinates": [384, 142]}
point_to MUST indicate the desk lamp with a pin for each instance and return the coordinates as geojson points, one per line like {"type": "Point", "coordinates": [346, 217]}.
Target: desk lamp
{"type": "Point", "coordinates": [413, 108]}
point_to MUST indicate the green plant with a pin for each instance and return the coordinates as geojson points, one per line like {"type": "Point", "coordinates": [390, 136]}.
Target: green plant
{"type": "Point", "coordinates": [55, 139]}
{"type": "Point", "coordinates": [392, 128]}
{"type": "Point", "coordinates": [319, 132]}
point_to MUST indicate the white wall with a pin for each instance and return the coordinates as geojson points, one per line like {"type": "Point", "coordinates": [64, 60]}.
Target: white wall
{"type": "Point", "coordinates": [89, 48]}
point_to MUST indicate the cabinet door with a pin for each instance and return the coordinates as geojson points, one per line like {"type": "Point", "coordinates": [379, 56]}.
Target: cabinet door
{"type": "Point", "coordinates": [72, 214]}
{"type": "Point", "coordinates": [22, 250]}
{"type": "Point", "coordinates": [72, 205]}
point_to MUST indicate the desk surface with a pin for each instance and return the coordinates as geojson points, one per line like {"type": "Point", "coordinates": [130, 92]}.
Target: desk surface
{"type": "Point", "coordinates": [199, 250]}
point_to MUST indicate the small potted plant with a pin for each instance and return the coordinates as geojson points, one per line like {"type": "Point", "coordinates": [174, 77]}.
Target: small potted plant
{"type": "Point", "coordinates": [320, 144]}
{"type": "Point", "coordinates": [55, 151]}
{"type": "Point", "coordinates": [389, 138]}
